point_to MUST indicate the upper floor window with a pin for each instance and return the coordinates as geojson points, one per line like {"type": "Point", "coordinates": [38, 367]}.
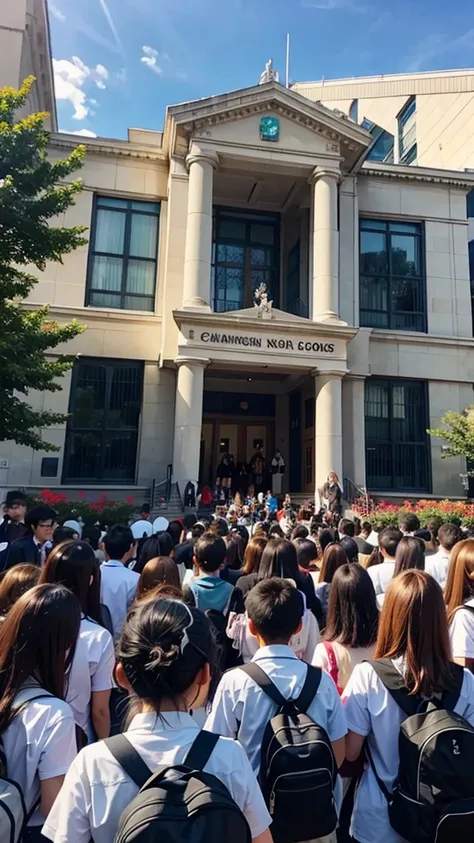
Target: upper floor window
{"type": "Point", "coordinates": [392, 282]}
{"type": "Point", "coordinates": [354, 110]}
{"type": "Point", "coordinates": [407, 133]}
{"type": "Point", "coordinates": [382, 149]}
{"type": "Point", "coordinates": [122, 254]}
{"type": "Point", "coordinates": [470, 204]}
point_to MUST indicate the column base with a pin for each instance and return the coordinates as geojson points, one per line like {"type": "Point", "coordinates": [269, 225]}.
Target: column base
{"type": "Point", "coordinates": [330, 317]}
{"type": "Point", "coordinates": [197, 303]}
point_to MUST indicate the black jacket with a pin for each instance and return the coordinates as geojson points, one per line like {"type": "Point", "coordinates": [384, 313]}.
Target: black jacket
{"type": "Point", "coordinates": [23, 550]}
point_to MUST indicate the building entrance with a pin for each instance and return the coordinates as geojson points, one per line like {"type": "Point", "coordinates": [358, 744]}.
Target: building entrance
{"type": "Point", "coordinates": [249, 446]}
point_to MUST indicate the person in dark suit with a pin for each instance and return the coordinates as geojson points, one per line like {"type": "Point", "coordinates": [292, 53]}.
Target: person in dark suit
{"type": "Point", "coordinates": [13, 526]}
{"type": "Point", "coordinates": [37, 542]}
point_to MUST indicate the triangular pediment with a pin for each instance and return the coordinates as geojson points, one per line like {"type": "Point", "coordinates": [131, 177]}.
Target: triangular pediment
{"type": "Point", "coordinates": [254, 314]}
{"type": "Point", "coordinates": [206, 118]}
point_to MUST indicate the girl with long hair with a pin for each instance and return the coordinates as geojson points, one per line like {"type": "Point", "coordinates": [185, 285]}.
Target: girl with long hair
{"type": "Point", "coordinates": [410, 554]}
{"type": "Point", "coordinates": [165, 660]}
{"type": "Point", "coordinates": [159, 571]}
{"type": "Point", "coordinates": [37, 645]}
{"type": "Point", "coordinates": [459, 597]}
{"type": "Point", "coordinates": [14, 583]}
{"type": "Point", "coordinates": [333, 557]}
{"type": "Point", "coordinates": [413, 635]}
{"type": "Point", "coordinates": [74, 565]}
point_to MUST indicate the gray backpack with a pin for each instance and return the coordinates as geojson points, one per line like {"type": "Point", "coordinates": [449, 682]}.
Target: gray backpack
{"type": "Point", "coordinates": [13, 813]}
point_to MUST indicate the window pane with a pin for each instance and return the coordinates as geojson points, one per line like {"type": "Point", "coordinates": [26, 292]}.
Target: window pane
{"type": "Point", "coordinates": [110, 232]}
{"type": "Point", "coordinates": [106, 273]}
{"type": "Point", "coordinates": [125, 398]}
{"type": "Point", "coordinates": [141, 277]}
{"type": "Point", "coordinates": [407, 295]}
{"type": "Point", "coordinates": [230, 286]}
{"type": "Point", "coordinates": [138, 303]}
{"type": "Point", "coordinates": [120, 456]}
{"type": "Point", "coordinates": [82, 459]}
{"type": "Point", "coordinates": [377, 412]}
{"type": "Point", "coordinates": [110, 202]}
{"type": "Point", "coordinates": [259, 257]}
{"type": "Point", "coordinates": [231, 230]}
{"type": "Point", "coordinates": [405, 227]}
{"type": "Point", "coordinates": [373, 258]}
{"type": "Point", "coordinates": [378, 225]}
{"type": "Point", "coordinates": [379, 466]}
{"type": "Point", "coordinates": [105, 299]}
{"type": "Point", "coordinates": [382, 149]}
{"type": "Point", "coordinates": [143, 236]}
{"type": "Point", "coordinates": [262, 234]}
{"type": "Point", "coordinates": [405, 255]}
{"type": "Point", "coordinates": [230, 254]}
{"type": "Point", "coordinates": [89, 396]}
{"type": "Point", "coordinates": [147, 207]}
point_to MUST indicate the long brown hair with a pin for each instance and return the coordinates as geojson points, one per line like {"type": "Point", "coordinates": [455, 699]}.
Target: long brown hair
{"type": "Point", "coordinates": [158, 571]}
{"type": "Point", "coordinates": [460, 582]}
{"type": "Point", "coordinates": [74, 564]}
{"type": "Point", "coordinates": [352, 616]}
{"type": "Point", "coordinates": [253, 554]}
{"type": "Point", "coordinates": [15, 582]}
{"type": "Point", "coordinates": [410, 554]}
{"type": "Point", "coordinates": [333, 557]}
{"type": "Point", "coordinates": [413, 625]}
{"type": "Point", "coordinates": [37, 641]}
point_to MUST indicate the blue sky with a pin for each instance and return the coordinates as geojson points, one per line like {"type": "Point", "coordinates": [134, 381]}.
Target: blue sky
{"type": "Point", "coordinates": [119, 63]}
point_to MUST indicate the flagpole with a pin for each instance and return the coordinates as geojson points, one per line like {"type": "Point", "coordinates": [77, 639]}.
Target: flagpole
{"type": "Point", "coordinates": [288, 60]}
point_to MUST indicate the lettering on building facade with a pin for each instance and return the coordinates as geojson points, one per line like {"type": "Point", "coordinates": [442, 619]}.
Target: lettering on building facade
{"type": "Point", "coordinates": [264, 343]}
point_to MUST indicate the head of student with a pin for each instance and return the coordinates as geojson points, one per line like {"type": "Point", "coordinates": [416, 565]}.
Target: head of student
{"type": "Point", "coordinates": [409, 523]}
{"type": "Point", "coordinates": [279, 559]}
{"type": "Point", "coordinates": [15, 506]}
{"type": "Point", "coordinates": [165, 655]}
{"type": "Point", "coordinates": [166, 543]}
{"type": "Point", "coordinates": [306, 553]}
{"type": "Point", "coordinates": [413, 626]}
{"type": "Point", "coordinates": [159, 571]}
{"type": "Point", "coordinates": [389, 538]}
{"type": "Point", "coordinates": [119, 544]}
{"type": "Point", "coordinates": [350, 548]}
{"type": "Point", "coordinates": [275, 610]}
{"type": "Point", "coordinates": [210, 553]}
{"type": "Point", "coordinates": [37, 641]}
{"type": "Point", "coordinates": [91, 535]}
{"type": "Point", "coordinates": [333, 557]}
{"type": "Point", "coordinates": [15, 582]}
{"type": "Point", "coordinates": [333, 479]}
{"type": "Point", "coordinates": [253, 554]}
{"type": "Point", "coordinates": [352, 616]}
{"type": "Point", "coordinates": [433, 526]}
{"type": "Point", "coordinates": [410, 553]}
{"type": "Point", "coordinates": [299, 532]}
{"type": "Point", "coordinates": [460, 582]}
{"type": "Point", "coordinates": [40, 522]}
{"type": "Point", "coordinates": [346, 527]}
{"type": "Point", "coordinates": [75, 565]}
{"type": "Point", "coordinates": [448, 536]}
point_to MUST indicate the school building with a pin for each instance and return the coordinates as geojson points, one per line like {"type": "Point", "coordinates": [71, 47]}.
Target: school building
{"type": "Point", "coordinates": [360, 339]}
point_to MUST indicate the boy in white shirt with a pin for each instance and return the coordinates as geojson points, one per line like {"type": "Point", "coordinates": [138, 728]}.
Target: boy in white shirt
{"type": "Point", "coordinates": [118, 584]}
{"type": "Point", "coordinates": [437, 565]}
{"type": "Point", "coordinates": [383, 573]}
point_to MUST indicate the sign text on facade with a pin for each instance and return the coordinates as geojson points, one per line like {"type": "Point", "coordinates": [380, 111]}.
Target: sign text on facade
{"type": "Point", "coordinates": [264, 343]}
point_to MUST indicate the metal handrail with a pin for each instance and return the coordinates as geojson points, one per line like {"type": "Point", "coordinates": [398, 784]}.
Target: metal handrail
{"type": "Point", "coordinates": [158, 484]}
{"type": "Point", "coordinates": [352, 492]}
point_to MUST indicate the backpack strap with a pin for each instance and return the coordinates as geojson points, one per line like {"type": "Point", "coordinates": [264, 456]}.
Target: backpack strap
{"type": "Point", "coordinates": [394, 682]}
{"type": "Point", "coordinates": [129, 759]}
{"type": "Point", "coordinates": [309, 689]}
{"type": "Point", "coordinates": [450, 698]}
{"type": "Point", "coordinates": [201, 750]}
{"type": "Point", "coordinates": [264, 682]}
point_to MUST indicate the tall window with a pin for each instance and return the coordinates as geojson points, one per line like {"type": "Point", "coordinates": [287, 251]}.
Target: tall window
{"type": "Point", "coordinates": [102, 432]}
{"type": "Point", "coordinates": [407, 149]}
{"type": "Point", "coordinates": [392, 282]}
{"type": "Point", "coordinates": [382, 149]}
{"type": "Point", "coordinates": [354, 110]}
{"type": "Point", "coordinates": [396, 442]}
{"type": "Point", "coordinates": [122, 257]}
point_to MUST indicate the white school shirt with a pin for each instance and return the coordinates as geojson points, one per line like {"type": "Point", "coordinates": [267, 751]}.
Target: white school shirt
{"type": "Point", "coordinates": [381, 576]}
{"type": "Point", "coordinates": [118, 585]}
{"type": "Point", "coordinates": [372, 712]}
{"type": "Point", "coordinates": [303, 643]}
{"type": "Point", "coordinates": [437, 565]}
{"type": "Point", "coordinates": [461, 632]}
{"type": "Point", "coordinates": [39, 744]}
{"type": "Point", "coordinates": [97, 790]}
{"type": "Point", "coordinates": [239, 700]}
{"type": "Point", "coordinates": [91, 670]}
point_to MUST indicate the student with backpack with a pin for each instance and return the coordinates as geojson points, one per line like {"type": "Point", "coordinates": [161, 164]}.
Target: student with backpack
{"type": "Point", "coordinates": [210, 592]}
{"type": "Point", "coordinates": [165, 661]}
{"type": "Point", "coordinates": [275, 706]}
{"type": "Point", "coordinates": [459, 598]}
{"type": "Point", "coordinates": [90, 682]}
{"type": "Point", "coordinates": [118, 584]}
{"type": "Point", "coordinates": [37, 730]}
{"type": "Point", "coordinates": [413, 708]}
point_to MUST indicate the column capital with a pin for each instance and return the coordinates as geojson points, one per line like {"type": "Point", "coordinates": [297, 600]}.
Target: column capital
{"type": "Point", "coordinates": [352, 376]}
{"type": "Point", "coordinates": [210, 157]}
{"type": "Point", "coordinates": [329, 373]}
{"type": "Point", "coordinates": [320, 172]}
{"type": "Point", "coordinates": [183, 360]}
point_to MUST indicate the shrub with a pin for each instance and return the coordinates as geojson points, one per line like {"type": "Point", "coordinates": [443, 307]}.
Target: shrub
{"type": "Point", "coordinates": [382, 514]}
{"type": "Point", "coordinates": [107, 512]}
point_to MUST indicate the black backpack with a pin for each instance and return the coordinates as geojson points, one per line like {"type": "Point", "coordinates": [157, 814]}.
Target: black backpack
{"type": "Point", "coordinates": [433, 794]}
{"type": "Point", "coordinates": [180, 802]}
{"type": "Point", "coordinates": [297, 765]}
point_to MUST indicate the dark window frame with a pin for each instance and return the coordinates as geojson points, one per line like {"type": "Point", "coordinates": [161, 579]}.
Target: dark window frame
{"type": "Point", "coordinates": [125, 256]}
{"type": "Point", "coordinates": [391, 313]}
{"type": "Point", "coordinates": [308, 466]}
{"type": "Point", "coordinates": [104, 431]}
{"type": "Point", "coordinates": [408, 155]}
{"type": "Point", "coordinates": [309, 412]}
{"type": "Point", "coordinates": [393, 443]}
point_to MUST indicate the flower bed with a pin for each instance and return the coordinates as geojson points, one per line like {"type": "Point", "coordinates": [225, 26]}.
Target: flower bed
{"type": "Point", "coordinates": [104, 510]}
{"type": "Point", "coordinates": [381, 514]}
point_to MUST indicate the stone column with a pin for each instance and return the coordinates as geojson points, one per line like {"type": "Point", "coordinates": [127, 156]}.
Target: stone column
{"type": "Point", "coordinates": [353, 412]}
{"type": "Point", "coordinates": [328, 426]}
{"type": "Point", "coordinates": [325, 282]}
{"type": "Point", "coordinates": [198, 249]}
{"type": "Point", "coordinates": [188, 419]}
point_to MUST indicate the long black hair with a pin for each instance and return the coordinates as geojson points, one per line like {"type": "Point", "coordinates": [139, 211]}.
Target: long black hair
{"type": "Point", "coordinates": [74, 564]}
{"type": "Point", "coordinates": [352, 616]}
{"type": "Point", "coordinates": [279, 559]}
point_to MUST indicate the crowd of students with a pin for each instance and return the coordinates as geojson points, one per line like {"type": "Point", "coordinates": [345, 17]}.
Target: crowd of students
{"type": "Point", "coordinates": [301, 647]}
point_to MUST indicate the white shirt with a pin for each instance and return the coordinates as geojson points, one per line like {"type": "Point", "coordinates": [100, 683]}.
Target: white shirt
{"type": "Point", "coordinates": [381, 576]}
{"type": "Point", "coordinates": [91, 670]}
{"type": "Point", "coordinates": [372, 712]}
{"type": "Point", "coordinates": [303, 643]}
{"type": "Point", "coordinates": [461, 632]}
{"type": "Point", "coordinates": [118, 585]}
{"type": "Point", "coordinates": [39, 743]}
{"type": "Point", "coordinates": [96, 789]}
{"type": "Point", "coordinates": [346, 659]}
{"type": "Point", "coordinates": [239, 700]}
{"type": "Point", "coordinates": [437, 565]}
{"type": "Point", "coordinates": [373, 539]}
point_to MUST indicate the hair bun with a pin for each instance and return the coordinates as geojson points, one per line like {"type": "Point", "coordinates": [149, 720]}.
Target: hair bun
{"type": "Point", "coordinates": [161, 658]}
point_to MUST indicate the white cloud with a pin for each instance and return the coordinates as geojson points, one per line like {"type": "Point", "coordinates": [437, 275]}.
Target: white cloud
{"type": "Point", "coordinates": [150, 59]}
{"type": "Point", "coordinates": [69, 80]}
{"type": "Point", "coordinates": [435, 45]}
{"type": "Point", "coordinates": [85, 133]}
{"type": "Point", "coordinates": [56, 13]}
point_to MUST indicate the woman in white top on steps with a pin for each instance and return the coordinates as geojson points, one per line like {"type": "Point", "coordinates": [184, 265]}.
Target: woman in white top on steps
{"type": "Point", "coordinates": [37, 643]}
{"type": "Point", "coordinates": [74, 564]}
{"type": "Point", "coordinates": [459, 598]}
{"type": "Point", "coordinates": [352, 622]}
{"type": "Point", "coordinates": [164, 661]}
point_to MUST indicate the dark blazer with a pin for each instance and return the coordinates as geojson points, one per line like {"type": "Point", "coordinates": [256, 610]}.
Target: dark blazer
{"type": "Point", "coordinates": [23, 550]}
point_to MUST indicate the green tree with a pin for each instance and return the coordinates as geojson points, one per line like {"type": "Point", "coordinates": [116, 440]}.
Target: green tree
{"type": "Point", "coordinates": [32, 193]}
{"type": "Point", "coordinates": [458, 432]}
